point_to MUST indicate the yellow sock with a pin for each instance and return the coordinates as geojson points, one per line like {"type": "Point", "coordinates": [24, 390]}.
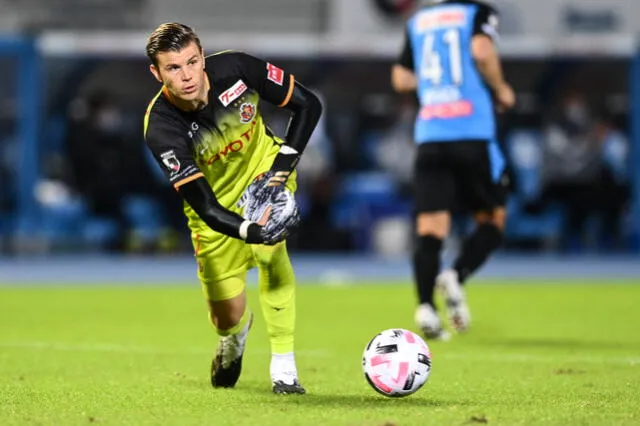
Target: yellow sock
{"type": "Point", "coordinates": [277, 295]}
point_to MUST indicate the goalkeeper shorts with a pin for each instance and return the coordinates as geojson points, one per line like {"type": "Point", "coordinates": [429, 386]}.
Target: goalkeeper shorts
{"type": "Point", "coordinates": [219, 256]}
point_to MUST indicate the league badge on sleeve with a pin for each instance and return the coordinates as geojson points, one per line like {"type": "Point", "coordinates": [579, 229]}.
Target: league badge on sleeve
{"type": "Point", "coordinates": [170, 160]}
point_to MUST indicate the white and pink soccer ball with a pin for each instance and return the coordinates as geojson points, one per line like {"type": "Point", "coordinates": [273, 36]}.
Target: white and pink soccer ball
{"type": "Point", "coordinates": [396, 362]}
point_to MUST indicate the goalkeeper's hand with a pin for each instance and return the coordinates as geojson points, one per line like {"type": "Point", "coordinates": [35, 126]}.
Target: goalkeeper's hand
{"type": "Point", "coordinates": [273, 231]}
{"type": "Point", "coordinates": [284, 217]}
{"type": "Point", "coordinates": [262, 188]}
{"type": "Point", "coordinates": [272, 207]}
{"type": "Point", "coordinates": [256, 198]}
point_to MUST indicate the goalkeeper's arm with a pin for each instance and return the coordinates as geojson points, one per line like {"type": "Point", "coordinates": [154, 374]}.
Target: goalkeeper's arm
{"type": "Point", "coordinates": [201, 198]}
{"type": "Point", "coordinates": [306, 110]}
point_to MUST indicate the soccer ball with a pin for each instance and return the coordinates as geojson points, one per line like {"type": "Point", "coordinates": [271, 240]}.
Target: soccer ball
{"type": "Point", "coordinates": [396, 362]}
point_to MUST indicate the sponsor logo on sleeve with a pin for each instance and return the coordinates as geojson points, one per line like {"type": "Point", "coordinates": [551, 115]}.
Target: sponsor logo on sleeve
{"type": "Point", "coordinates": [491, 26]}
{"type": "Point", "coordinates": [275, 74]}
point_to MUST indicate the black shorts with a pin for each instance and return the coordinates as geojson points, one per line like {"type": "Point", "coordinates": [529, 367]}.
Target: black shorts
{"type": "Point", "coordinates": [457, 175]}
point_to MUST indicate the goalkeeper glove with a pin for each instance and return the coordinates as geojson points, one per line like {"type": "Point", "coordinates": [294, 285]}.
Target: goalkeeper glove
{"type": "Point", "coordinates": [272, 206]}
{"type": "Point", "coordinates": [253, 233]}
{"type": "Point", "coordinates": [286, 160]}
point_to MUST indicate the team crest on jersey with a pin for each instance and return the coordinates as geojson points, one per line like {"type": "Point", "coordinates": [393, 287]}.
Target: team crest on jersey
{"type": "Point", "coordinates": [247, 112]}
{"type": "Point", "coordinates": [170, 160]}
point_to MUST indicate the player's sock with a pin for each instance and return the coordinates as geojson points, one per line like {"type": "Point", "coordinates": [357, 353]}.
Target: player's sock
{"type": "Point", "coordinates": [476, 249]}
{"type": "Point", "coordinates": [277, 295]}
{"type": "Point", "coordinates": [284, 375]}
{"type": "Point", "coordinates": [426, 265]}
{"type": "Point", "coordinates": [283, 368]}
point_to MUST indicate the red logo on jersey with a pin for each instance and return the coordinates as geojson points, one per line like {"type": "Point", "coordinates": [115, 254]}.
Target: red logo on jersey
{"type": "Point", "coordinates": [247, 111]}
{"type": "Point", "coordinates": [234, 146]}
{"type": "Point", "coordinates": [447, 110]}
{"type": "Point", "coordinates": [232, 93]}
{"type": "Point", "coordinates": [275, 74]}
{"type": "Point", "coordinates": [439, 19]}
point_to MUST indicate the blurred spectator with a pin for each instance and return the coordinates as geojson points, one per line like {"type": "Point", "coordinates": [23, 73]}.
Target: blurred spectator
{"type": "Point", "coordinates": [8, 166]}
{"type": "Point", "coordinates": [615, 183]}
{"type": "Point", "coordinates": [8, 161]}
{"type": "Point", "coordinates": [109, 168]}
{"type": "Point", "coordinates": [572, 165]}
{"type": "Point", "coordinates": [7, 191]}
{"type": "Point", "coordinates": [101, 159]}
{"type": "Point", "coordinates": [316, 162]}
{"type": "Point", "coordinates": [316, 173]}
{"type": "Point", "coordinates": [584, 170]}
{"type": "Point", "coordinates": [395, 152]}
{"type": "Point", "coordinates": [316, 176]}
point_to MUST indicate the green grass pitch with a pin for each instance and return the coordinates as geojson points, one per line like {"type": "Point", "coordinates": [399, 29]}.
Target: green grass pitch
{"type": "Point", "coordinates": [538, 353]}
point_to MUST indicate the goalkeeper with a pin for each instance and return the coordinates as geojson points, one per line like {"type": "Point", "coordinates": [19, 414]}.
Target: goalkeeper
{"type": "Point", "coordinates": [205, 129]}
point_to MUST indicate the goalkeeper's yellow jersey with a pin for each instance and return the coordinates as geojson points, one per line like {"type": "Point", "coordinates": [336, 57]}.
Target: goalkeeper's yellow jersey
{"type": "Point", "coordinates": [227, 141]}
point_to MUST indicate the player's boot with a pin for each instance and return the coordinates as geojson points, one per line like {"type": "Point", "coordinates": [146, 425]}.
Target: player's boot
{"type": "Point", "coordinates": [457, 308]}
{"type": "Point", "coordinates": [428, 321]}
{"type": "Point", "coordinates": [284, 387]}
{"type": "Point", "coordinates": [227, 362]}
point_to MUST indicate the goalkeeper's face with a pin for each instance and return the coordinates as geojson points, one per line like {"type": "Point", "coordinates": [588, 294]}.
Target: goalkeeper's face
{"type": "Point", "coordinates": [182, 72]}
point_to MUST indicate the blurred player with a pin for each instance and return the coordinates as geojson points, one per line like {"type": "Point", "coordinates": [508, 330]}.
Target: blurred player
{"type": "Point", "coordinates": [205, 129]}
{"type": "Point", "coordinates": [450, 59]}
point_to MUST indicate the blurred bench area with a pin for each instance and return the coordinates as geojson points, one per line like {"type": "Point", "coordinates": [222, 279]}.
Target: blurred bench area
{"type": "Point", "coordinates": [76, 176]}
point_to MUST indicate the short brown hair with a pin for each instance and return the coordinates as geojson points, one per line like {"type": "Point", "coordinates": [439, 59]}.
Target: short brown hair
{"type": "Point", "coordinates": [170, 37]}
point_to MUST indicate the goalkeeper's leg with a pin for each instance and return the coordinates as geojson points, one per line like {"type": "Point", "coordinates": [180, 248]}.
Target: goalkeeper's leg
{"type": "Point", "coordinates": [232, 320]}
{"type": "Point", "coordinates": [277, 297]}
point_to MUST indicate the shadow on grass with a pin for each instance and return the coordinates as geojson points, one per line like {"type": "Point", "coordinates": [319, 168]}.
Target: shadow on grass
{"type": "Point", "coordinates": [322, 398]}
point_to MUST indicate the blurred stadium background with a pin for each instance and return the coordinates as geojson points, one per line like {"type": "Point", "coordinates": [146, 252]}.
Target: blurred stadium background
{"type": "Point", "coordinates": [78, 183]}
